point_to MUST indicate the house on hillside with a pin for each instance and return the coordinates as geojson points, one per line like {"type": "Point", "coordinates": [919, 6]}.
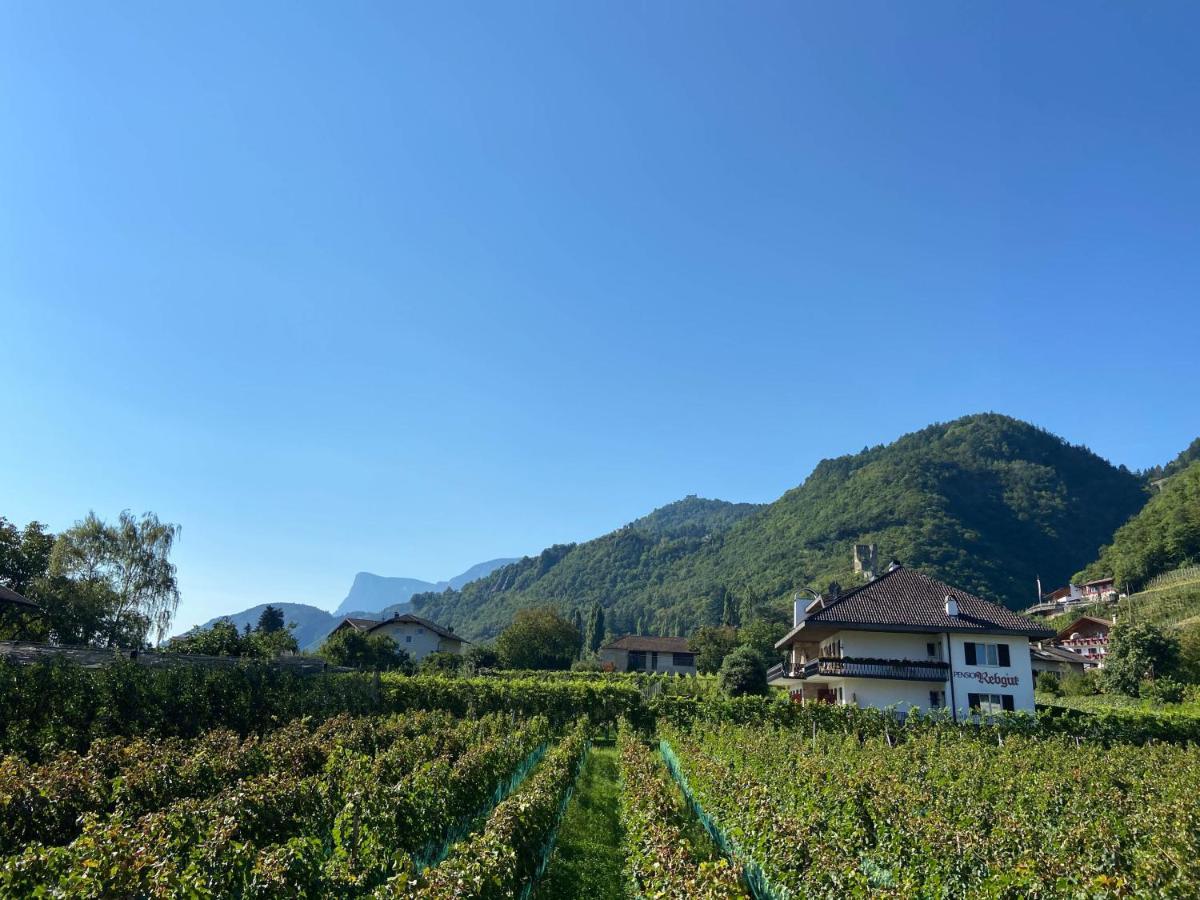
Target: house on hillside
{"type": "Point", "coordinates": [1087, 636]}
{"type": "Point", "coordinates": [1103, 590]}
{"type": "Point", "coordinates": [910, 641]}
{"type": "Point", "coordinates": [1056, 660]}
{"type": "Point", "coordinates": [644, 653]}
{"type": "Point", "coordinates": [419, 637]}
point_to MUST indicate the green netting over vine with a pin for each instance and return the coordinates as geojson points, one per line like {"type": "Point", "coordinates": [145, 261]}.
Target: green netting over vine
{"type": "Point", "coordinates": [436, 852]}
{"type": "Point", "coordinates": [552, 837]}
{"type": "Point", "coordinates": [760, 886]}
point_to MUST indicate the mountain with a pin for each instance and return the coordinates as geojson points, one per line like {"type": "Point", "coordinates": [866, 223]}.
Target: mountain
{"type": "Point", "coordinates": [1187, 456]}
{"type": "Point", "coordinates": [312, 624]}
{"type": "Point", "coordinates": [372, 593]}
{"type": "Point", "coordinates": [1163, 536]}
{"type": "Point", "coordinates": [986, 502]}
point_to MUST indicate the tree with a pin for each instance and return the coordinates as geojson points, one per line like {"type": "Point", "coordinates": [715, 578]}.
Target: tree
{"type": "Point", "coordinates": [481, 657]}
{"type": "Point", "coordinates": [577, 622]}
{"type": "Point", "coordinates": [595, 628]}
{"type": "Point", "coordinates": [538, 638]}
{"type": "Point", "coordinates": [729, 613]}
{"type": "Point", "coordinates": [132, 556]}
{"type": "Point", "coordinates": [270, 619]}
{"type": "Point", "coordinates": [357, 649]}
{"type": "Point", "coordinates": [1189, 652]}
{"type": "Point", "coordinates": [1137, 652]}
{"type": "Point", "coordinates": [222, 638]}
{"type": "Point", "coordinates": [270, 644]}
{"type": "Point", "coordinates": [743, 673]}
{"type": "Point", "coordinates": [441, 664]}
{"type": "Point", "coordinates": [24, 555]}
{"type": "Point", "coordinates": [711, 645]}
{"type": "Point", "coordinates": [760, 635]}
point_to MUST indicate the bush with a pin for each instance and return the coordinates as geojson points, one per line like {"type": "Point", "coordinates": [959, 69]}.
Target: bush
{"type": "Point", "coordinates": [480, 657]}
{"type": "Point", "coordinates": [359, 650]}
{"type": "Point", "coordinates": [1048, 683]}
{"type": "Point", "coordinates": [587, 665]}
{"type": "Point", "coordinates": [441, 664]}
{"type": "Point", "coordinates": [1163, 690]}
{"type": "Point", "coordinates": [743, 673]}
{"type": "Point", "coordinates": [1076, 685]}
{"type": "Point", "coordinates": [538, 639]}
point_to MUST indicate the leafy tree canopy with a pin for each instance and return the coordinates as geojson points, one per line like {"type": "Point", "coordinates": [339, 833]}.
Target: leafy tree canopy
{"type": "Point", "coordinates": [743, 673]}
{"type": "Point", "coordinates": [1137, 652]}
{"type": "Point", "coordinates": [538, 638]}
{"type": "Point", "coordinates": [359, 650]}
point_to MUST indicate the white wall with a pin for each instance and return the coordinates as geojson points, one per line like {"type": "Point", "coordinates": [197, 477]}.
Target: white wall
{"type": "Point", "coordinates": [417, 640]}
{"type": "Point", "coordinates": [1015, 679]}
{"type": "Point", "coordinates": [620, 661]}
{"type": "Point", "coordinates": [973, 679]}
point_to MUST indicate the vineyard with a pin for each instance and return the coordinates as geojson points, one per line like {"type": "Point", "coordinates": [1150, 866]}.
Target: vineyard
{"type": "Point", "coordinates": [562, 787]}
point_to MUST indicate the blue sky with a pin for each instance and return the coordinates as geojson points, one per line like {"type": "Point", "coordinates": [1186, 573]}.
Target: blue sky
{"type": "Point", "coordinates": [398, 288]}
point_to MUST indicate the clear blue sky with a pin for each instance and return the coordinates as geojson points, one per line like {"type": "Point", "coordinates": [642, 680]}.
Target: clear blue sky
{"type": "Point", "coordinates": [398, 288]}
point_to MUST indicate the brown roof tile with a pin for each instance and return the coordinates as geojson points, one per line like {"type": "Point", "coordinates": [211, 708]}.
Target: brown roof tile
{"type": "Point", "coordinates": [906, 600]}
{"type": "Point", "coordinates": [650, 643]}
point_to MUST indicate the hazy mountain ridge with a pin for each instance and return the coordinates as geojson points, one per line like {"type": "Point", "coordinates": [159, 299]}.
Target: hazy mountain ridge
{"type": "Point", "coordinates": [986, 502]}
{"type": "Point", "coordinates": [372, 593]}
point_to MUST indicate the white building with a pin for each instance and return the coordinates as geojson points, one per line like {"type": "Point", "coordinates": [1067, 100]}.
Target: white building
{"type": "Point", "coordinates": [913, 642]}
{"type": "Point", "coordinates": [643, 653]}
{"type": "Point", "coordinates": [419, 637]}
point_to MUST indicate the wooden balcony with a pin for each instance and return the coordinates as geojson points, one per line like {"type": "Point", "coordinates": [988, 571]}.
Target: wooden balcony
{"type": "Point", "coordinates": [856, 667]}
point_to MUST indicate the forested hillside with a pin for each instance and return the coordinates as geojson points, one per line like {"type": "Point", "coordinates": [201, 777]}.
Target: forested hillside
{"type": "Point", "coordinates": [985, 502]}
{"type": "Point", "coordinates": [1163, 536]}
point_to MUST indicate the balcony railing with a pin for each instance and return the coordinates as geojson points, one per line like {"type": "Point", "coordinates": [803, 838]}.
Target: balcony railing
{"type": "Point", "coordinates": [856, 667]}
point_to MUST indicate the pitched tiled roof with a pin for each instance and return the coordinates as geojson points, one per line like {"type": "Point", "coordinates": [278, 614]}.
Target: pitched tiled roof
{"type": "Point", "coordinates": [649, 643]}
{"type": "Point", "coordinates": [906, 600]}
{"type": "Point", "coordinates": [360, 624]}
{"type": "Point", "coordinates": [1057, 654]}
{"type": "Point", "coordinates": [10, 596]}
{"type": "Point", "coordinates": [1065, 633]}
{"type": "Point", "coordinates": [410, 619]}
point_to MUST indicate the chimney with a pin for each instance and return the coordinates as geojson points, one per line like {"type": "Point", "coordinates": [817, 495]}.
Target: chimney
{"type": "Point", "coordinates": [951, 606]}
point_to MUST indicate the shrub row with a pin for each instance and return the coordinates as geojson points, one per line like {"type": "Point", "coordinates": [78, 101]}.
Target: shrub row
{"type": "Point", "coordinates": [945, 814]}
{"type": "Point", "coordinates": [286, 832]}
{"type": "Point", "coordinates": [46, 802]}
{"type": "Point", "coordinates": [511, 850]}
{"type": "Point", "coordinates": [660, 859]}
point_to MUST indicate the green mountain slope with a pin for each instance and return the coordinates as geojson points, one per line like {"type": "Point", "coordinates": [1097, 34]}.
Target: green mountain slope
{"type": "Point", "coordinates": [985, 502]}
{"type": "Point", "coordinates": [1163, 536]}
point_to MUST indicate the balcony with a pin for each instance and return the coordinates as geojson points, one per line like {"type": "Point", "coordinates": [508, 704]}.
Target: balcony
{"type": "Point", "coordinates": [856, 667]}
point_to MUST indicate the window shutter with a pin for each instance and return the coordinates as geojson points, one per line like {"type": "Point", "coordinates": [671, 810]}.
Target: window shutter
{"type": "Point", "coordinates": [1007, 700]}
{"type": "Point", "coordinates": [1004, 657]}
{"type": "Point", "coordinates": [969, 650]}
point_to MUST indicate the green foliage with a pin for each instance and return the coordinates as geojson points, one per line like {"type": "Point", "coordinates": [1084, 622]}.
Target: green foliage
{"type": "Point", "coordinates": [1048, 683]}
{"type": "Point", "coordinates": [1189, 651]}
{"type": "Point", "coordinates": [1163, 536]}
{"type": "Point", "coordinates": [1137, 652]}
{"type": "Point", "coordinates": [270, 619]}
{"type": "Point", "coordinates": [480, 656]}
{"type": "Point", "coordinates": [711, 646]}
{"type": "Point", "coordinates": [61, 705]}
{"type": "Point", "coordinates": [223, 639]}
{"type": "Point", "coordinates": [132, 556]}
{"type": "Point", "coordinates": [538, 638]}
{"type": "Point", "coordinates": [1076, 684]}
{"type": "Point", "coordinates": [743, 673]}
{"type": "Point", "coordinates": [1188, 456]}
{"type": "Point", "coordinates": [359, 650]}
{"type": "Point", "coordinates": [985, 502]}
{"type": "Point", "coordinates": [661, 858]}
{"type": "Point", "coordinates": [512, 847]}
{"type": "Point", "coordinates": [595, 629]}
{"type": "Point", "coordinates": [1163, 690]}
{"type": "Point", "coordinates": [441, 664]}
{"type": "Point", "coordinates": [760, 636]}
{"type": "Point", "coordinates": [940, 813]}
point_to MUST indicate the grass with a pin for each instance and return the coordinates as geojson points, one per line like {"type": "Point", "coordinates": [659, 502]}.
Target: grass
{"type": "Point", "coordinates": [587, 860]}
{"type": "Point", "coordinates": [1114, 702]}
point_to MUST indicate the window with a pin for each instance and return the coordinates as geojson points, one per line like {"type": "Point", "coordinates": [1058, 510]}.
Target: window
{"type": "Point", "coordinates": [637, 661]}
{"type": "Point", "coordinates": [408, 639]}
{"type": "Point", "coordinates": [937, 699]}
{"type": "Point", "coordinates": [987, 654]}
{"type": "Point", "coordinates": [991, 704]}
{"type": "Point", "coordinates": [931, 650]}
{"type": "Point", "coordinates": [832, 649]}
{"type": "Point", "coordinates": [654, 661]}
{"type": "Point", "coordinates": [683, 659]}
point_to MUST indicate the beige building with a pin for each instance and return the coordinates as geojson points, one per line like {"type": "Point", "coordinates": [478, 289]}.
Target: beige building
{"type": "Point", "coordinates": [644, 653]}
{"type": "Point", "coordinates": [418, 637]}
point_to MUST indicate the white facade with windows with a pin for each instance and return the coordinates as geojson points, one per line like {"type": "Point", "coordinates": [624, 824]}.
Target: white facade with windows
{"type": "Point", "coordinates": [416, 636]}
{"type": "Point", "coordinates": [913, 643]}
